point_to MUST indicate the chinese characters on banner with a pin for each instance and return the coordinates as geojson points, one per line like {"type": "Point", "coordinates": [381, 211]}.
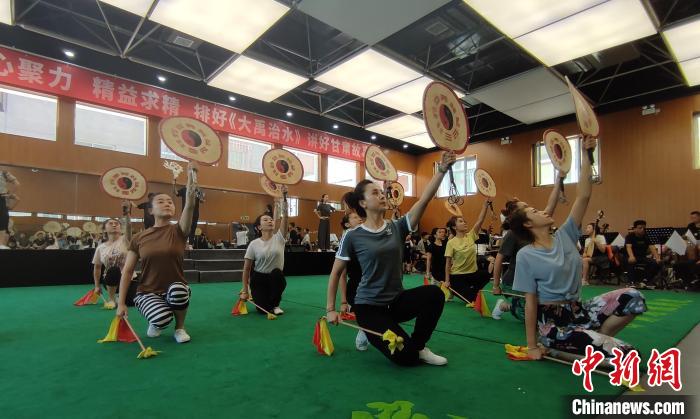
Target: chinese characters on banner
{"type": "Point", "coordinates": [60, 79]}
{"type": "Point", "coordinates": [661, 367]}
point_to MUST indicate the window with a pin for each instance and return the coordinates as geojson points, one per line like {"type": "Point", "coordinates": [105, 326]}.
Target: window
{"type": "Point", "coordinates": [20, 214]}
{"type": "Point", "coordinates": [336, 205]}
{"type": "Point", "coordinates": [544, 170]}
{"type": "Point", "coordinates": [102, 219]}
{"type": "Point", "coordinates": [463, 170]}
{"type": "Point", "coordinates": [246, 154]}
{"type": "Point", "coordinates": [167, 154]}
{"type": "Point", "coordinates": [309, 161]}
{"type": "Point", "coordinates": [406, 180]}
{"type": "Point", "coordinates": [342, 172]}
{"type": "Point", "coordinates": [27, 114]}
{"type": "Point", "coordinates": [78, 218]}
{"type": "Point", "coordinates": [110, 130]}
{"type": "Point", "coordinates": [136, 220]}
{"type": "Point", "coordinates": [46, 215]}
{"type": "Point", "coordinates": [292, 207]}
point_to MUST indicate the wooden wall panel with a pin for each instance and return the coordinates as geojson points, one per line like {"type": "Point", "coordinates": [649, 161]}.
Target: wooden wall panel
{"type": "Point", "coordinates": [647, 169]}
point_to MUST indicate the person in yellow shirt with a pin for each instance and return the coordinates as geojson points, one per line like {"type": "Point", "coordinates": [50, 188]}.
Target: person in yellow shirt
{"type": "Point", "coordinates": [461, 273]}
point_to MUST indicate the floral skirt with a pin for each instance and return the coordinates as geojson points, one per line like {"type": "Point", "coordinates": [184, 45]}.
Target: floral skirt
{"type": "Point", "coordinates": [572, 326]}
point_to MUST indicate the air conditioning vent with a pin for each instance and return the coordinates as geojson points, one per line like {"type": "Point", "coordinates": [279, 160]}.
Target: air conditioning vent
{"type": "Point", "coordinates": [183, 42]}
{"type": "Point", "coordinates": [437, 28]}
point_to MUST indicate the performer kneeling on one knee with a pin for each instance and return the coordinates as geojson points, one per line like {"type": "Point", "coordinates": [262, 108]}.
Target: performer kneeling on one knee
{"type": "Point", "coordinates": [461, 273]}
{"type": "Point", "coordinates": [112, 255]}
{"type": "Point", "coordinates": [548, 271]}
{"type": "Point", "coordinates": [267, 282]}
{"type": "Point", "coordinates": [381, 302]}
{"type": "Point", "coordinates": [350, 280]}
{"type": "Point", "coordinates": [508, 251]}
{"type": "Point", "coordinates": [163, 293]}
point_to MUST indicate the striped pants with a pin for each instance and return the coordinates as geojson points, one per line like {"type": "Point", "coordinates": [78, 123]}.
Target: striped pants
{"type": "Point", "coordinates": [158, 308]}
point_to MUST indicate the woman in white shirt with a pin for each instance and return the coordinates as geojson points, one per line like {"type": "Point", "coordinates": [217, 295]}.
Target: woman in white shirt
{"type": "Point", "coordinates": [594, 251]}
{"type": "Point", "coordinates": [266, 280]}
{"type": "Point", "coordinates": [112, 254]}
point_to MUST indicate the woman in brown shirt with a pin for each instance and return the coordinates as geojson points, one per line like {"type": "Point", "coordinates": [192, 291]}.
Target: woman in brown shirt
{"type": "Point", "coordinates": [162, 293]}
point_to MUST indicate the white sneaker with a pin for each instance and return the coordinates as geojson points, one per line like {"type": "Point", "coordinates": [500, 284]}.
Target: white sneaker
{"type": "Point", "coordinates": [496, 312]}
{"type": "Point", "coordinates": [361, 342]}
{"type": "Point", "coordinates": [427, 356]}
{"type": "Point", "coordinates": [181, 336]}
{"type": "Point", "coordinates": [152, 332]}
{"type": "Point", "coordinates": [277, 311]}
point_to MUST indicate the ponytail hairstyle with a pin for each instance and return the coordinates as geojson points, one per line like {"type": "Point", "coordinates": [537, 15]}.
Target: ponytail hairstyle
{"type": "Point", "coordinates": [510, 207]}
{"type": "Point", "coordinates": [451, 223]}
{"type": "Point", "coordinates": [517, 222]}
{"type": "Point", "coordinates": [352, 199]}
{"type": "Point", "coordinates": [345, 220]}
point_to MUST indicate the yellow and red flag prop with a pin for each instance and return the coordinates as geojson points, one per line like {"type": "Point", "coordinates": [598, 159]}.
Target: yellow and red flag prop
{"type": "Point", "coordinates": [239, 308]}
{"type": "Point", "coordinates": [146, 352]}
{"type": "Point", "coordinates": [445, 290]}
{"type": "Point", "coordinates": [118, 332]}
{"type": "Point", "coordinates": [395, 341]}
{"type": "Point", "coordinates": [90, 297]}
{"type": "Point", "coordinates": [270, 316]}
{"type": "Point", "coordinates": [322, 338]}
{"type": "Point", "coordinates": [426, 280]}
{"type": "Point", "coordinates": [517, 353]}
{"type": "Point", "coordinates": [481, 306]}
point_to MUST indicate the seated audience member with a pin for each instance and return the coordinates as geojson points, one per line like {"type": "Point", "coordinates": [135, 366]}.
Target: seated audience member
{"type": "Point", "coordinates": [638, 245]}
{"type": "Point", "coordinates": [694, 229]}
{"type": "Point", "coordinates": [594, 251]}
{"type": "Point", "coordinates": [242, 237]}
{"type": "Point", "coordinates": [294, 236]}
{"type": "Point", "coordinates": [306, 241]}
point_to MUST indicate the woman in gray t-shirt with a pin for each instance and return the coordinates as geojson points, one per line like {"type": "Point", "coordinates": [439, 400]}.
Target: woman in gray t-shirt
{"type": "Point", "coordinates": [548, 271]}
{"type": "Point", "coordinates": [381, 302]}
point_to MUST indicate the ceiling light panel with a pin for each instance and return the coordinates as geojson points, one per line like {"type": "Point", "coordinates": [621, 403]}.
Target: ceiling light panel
{"type": "Point", "coordinates": [523, 16]}
{"type": "Point", "coordinates": [6, 12]}
{"type": "Point", "coordinates": [367, 74]}
{"type": "Point", "coordinates": [407, 98]}
{"type": "Point", "coordinates": [399, 127]}
{"type": "Point", "coordinates": [137, 7]}
{"type": "Point", "coordinates": [606, 25]}
{"type": "Point", "coordinates": [691, 71]}
{"type": "Point", "coordinates": [231, 24]}
{"type": "Point", "coordinates": [421, 140]}
{"type": "Point", "coordinates": [256, 79]}
{"type": "Point", "coordinates": [683, 40]}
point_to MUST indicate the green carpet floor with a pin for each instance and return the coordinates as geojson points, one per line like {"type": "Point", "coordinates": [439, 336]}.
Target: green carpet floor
{"type": "Point", "coordinates": [250, 367]}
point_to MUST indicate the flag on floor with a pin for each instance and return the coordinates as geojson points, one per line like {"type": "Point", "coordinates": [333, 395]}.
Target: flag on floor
{"type": "Point", "coordinates": [322, 338]}
{"type": "Point", "coordinates": [90, 297]}
{"type": "Point", "coordinates": [395, 341]}
{"type": "Point", "coordinates": [147, 353]}
{"type": "Point", "coordinates": [445, 290]}
{"type": "Point", "coordinates": [426, 280]}
{"type": "Point", "coordinates": [481, 305]}
{"type": "Point", "coordinates": [239, 308]}
{"type": "Point", "coordinates": [118, 332]}
{"type": "Point", "coordinates": [517, 353]}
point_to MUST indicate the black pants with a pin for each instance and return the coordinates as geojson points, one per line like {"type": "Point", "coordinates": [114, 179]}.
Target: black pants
{"type": "Point", "coordinates": [644, 269]}
{"type": "Point", "coordinates": [4, 215]}
{"type": "Point", "coordinates": [424, 303]}
{"type": "Point", "coordinates": [193, 227]}
{"type": "Point", "coordinates": [267, 289]}
{"type": "Point", "coordinates": [324, 234]}
{"type": "Point", "coordinates": [468, 285]}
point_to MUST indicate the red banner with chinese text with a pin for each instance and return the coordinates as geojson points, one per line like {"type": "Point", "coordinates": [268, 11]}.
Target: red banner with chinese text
{"type": "Point", "coordinates": [56, 78]}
